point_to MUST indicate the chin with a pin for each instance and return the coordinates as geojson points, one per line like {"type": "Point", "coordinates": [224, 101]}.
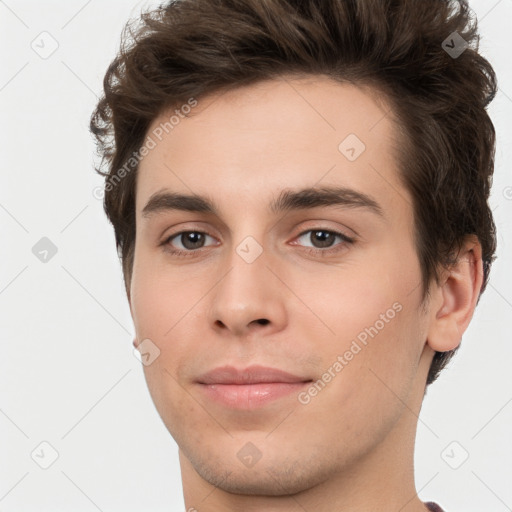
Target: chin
{"type": "Point", "coordinates": [275, 476]}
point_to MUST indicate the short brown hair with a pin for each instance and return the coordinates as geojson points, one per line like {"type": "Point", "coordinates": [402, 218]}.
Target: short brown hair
{"type": "Point", "coordinates": [190, 48]}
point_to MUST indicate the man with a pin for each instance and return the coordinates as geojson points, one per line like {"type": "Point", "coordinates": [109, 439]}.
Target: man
{"type": "Point", "coordinates": [299, 195]}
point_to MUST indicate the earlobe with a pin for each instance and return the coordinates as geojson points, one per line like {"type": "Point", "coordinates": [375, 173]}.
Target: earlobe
{"type": "Point", "coordinates": [457, 297]}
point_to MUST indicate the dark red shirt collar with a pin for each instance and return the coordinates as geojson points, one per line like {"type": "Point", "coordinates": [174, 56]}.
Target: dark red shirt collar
{"type": "Point", "coordinates": [433, 507]}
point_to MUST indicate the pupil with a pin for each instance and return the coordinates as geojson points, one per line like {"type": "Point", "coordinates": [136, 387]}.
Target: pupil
{"type": "Point", "coordinates": [324, 237]}
{"type": "Point", "coordinates": [191, 239]}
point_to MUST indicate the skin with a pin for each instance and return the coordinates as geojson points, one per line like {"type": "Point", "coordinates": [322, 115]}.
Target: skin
{"type": "Point", "coordinates": [351, 447]}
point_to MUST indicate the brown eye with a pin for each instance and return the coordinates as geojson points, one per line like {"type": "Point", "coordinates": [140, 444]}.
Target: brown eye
{"type": "Point", "coordinates": [323, 238]}
{"type": "Point", "coordinates": [187, 241]}
{"type": "Point", "coordinates": [192, 239]}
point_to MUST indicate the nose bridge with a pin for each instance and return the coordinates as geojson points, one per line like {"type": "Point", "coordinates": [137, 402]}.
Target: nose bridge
{"type": "Point", "coordinates": [247, 271]}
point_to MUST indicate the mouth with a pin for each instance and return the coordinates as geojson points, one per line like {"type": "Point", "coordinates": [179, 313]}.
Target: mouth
{"type": "Point", "coordinates": [249, 388]}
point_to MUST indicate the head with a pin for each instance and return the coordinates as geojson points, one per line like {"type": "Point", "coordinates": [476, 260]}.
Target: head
{"type": "Point", "coordinates": [247, 103]}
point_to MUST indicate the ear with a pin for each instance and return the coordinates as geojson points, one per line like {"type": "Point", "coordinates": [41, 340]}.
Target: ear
{"type": "Point", "coordinates": [455, 298]}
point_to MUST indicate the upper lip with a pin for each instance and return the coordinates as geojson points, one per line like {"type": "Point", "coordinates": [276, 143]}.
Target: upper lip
{"type": "Point", "coordinates": [251, 375]}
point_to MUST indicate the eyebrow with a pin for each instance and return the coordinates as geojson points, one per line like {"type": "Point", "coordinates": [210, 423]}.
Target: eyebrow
{"type": "Point", "coordinates": [288, 200]}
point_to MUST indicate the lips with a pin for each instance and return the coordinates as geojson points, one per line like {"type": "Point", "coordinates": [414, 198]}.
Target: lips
{"type": "Point", "coordinates": [251, 375]}
{"type": "Point", "coordinates": [249, 388]}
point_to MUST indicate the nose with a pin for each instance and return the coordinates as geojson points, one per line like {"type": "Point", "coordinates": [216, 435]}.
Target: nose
{"type": "Point", "coordinates": [248, 297]}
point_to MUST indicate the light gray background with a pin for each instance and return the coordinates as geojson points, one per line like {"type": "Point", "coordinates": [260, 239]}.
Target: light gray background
{"type": "Point", "coordinates": [67, 372]}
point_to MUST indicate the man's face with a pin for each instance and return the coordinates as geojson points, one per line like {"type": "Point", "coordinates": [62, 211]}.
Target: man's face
{"type": "Point", "coordinates": [330, 294]}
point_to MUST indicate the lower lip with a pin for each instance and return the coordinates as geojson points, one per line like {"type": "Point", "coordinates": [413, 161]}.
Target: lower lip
{"type": "Point", "coordinates": [250, 396]}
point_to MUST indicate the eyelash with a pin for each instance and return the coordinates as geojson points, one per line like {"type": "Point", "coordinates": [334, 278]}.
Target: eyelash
{"type": "Point", "coordinates": [180, 253]}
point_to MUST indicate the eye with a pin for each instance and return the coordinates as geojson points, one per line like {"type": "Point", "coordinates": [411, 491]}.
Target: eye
{"type": "Point", "coordinates": [189, 243]}
{"type": "Point", "coordinates": [322, 239]}
{"type": "Point", "coordinates": [186, 241]}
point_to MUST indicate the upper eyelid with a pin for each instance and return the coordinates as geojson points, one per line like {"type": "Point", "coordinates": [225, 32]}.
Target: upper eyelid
{"type": "Point", "coordinates": [168, 238]}
{"type": "Point", "coordinates": [329, 230]}
{"type": "Point", "coordinates": [315, 224]}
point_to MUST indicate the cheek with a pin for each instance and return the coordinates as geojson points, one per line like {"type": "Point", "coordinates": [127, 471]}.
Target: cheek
{"type": "Point", "coordinates": [161, 299]}
{"type": "Point", "coordinates": [372, 319]}
{"type": "Point", "coordinates": [161, 308]}
{"type": "Point", "coordinates": [370, 361]}
{"type": "Point", "coordinates": [157, 306]}
{"type": "Point", "coordinates": [355, 301]}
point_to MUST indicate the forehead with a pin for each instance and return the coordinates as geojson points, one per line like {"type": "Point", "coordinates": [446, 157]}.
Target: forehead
{"type": "Point", "coordinates": [272, 135]}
